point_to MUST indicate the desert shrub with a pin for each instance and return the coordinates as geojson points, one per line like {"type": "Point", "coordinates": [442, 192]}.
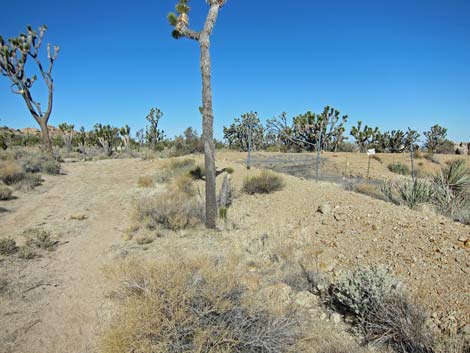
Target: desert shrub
{"type": "Point", "coordinates": [369, 189]}
{"type": "Point", "coordinates": [229, 170]}
{"type": "Point", "coordinates": [358, 292]}
{"type": "Point", "coordinates": [5, 193]}
{"type": "Point", "coordinates": [273, 148]}
{"type": "Point", "coordinates": [264, 182]}
{"type": "Point", "coordinates": [184, 184]}
{"type": "Point", "coordinates": [26, 253]}
{"type": "Point", "coordinates": [11, 172]}
{"type": "Point", "coordinates": [171, 209]}
{"type": "Point", "coordinates": [414, 192]}
{"type": "Point", "coordinates": [173, 168]}
{"type": "Point", "coordinates": [40, 239]}
{"type": "Point", "coordinates": [418, 154]}
{"type": "Point", "coordinates": [8, 246]}
{"type": "Point", "coordinates": [29, 182]}
{"type": "Point", "coordinates": [191, 306]}
{"type": "Point", "coordinates": [51, 167]}
{"type": "Point", "coordinates": [145, 239]}
{"type": "Point", "coordinates": [399, 324]}
{"type": "Point", "coordinates": [399, 168]}
{"type": "Point", "coordinates": [382, 310]}
{"type": "Point", "coordinates": [146, 181]}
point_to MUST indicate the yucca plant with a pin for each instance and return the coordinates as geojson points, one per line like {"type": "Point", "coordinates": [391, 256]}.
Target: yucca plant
{"type": "Point", "coordinates": [414, 192]}
{"type": "Point", "coordinates": [454, 176]}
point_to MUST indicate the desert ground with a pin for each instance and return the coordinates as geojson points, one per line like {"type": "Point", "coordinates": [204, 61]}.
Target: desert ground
{"type": "Point", "coordinates": [59, 302]}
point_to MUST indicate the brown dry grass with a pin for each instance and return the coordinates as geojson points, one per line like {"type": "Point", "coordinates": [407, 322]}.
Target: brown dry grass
{"type": "Point", "coordinates": [146, 181]}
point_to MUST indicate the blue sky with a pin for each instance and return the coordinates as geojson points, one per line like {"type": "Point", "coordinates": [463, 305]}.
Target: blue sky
{"type": "Point", "coordinates": [390, 63]}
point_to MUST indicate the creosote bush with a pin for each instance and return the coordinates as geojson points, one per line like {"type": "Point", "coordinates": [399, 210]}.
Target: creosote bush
{"type": "Point", "coordinates": [190, 305]}
{"type": "Point", "coordinates": [399, 168]}
{"type": "Point", "coordinates": [264, 182]}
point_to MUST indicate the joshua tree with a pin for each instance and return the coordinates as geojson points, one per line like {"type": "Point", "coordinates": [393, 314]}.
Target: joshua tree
{"type": "Point", "coordinates": [125, 133]}
{"type": "Point", "coordinates": [67, 135]}
{"type": "Point", "coordinates": [180, 22]}
{"type": "Point", "coordinates": [13, 59]}
{"type": "Point", "coordinates": [105, 135]}
{"type": "Point", "coordinates": [365, 137]}
{"type": "Point", "coordinates": [152, 134]}
{"type": "Point", "coordinates": [238, 133]}
{"type": "Point", "coordinates": [435, 138]}
{"type": "Point", "coordinates": [140, 137]}
{"type": "Point", "coordinates": [82, 138]}
{"type": "Point", "coordinates": [279, 131]}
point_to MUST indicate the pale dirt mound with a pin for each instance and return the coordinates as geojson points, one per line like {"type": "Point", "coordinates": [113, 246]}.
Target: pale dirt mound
{"type": "Point", "coordinates": [58, 303]}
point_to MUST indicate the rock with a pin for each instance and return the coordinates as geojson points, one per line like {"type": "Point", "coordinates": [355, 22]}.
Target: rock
{"type": "Point", "coordinates": [465, 330]}
{"type": "Point", "coordinates": [324, 209]}
{"type": "Point", "coordinates": [462, 239]}
{"type": "Point", "coordinates": [335, 318]}
{"type": "Point", "coordinates": [305, 299]}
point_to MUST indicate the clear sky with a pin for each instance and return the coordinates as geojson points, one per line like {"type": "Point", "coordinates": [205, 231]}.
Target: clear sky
{"type": "Point", "coordinates": [390, 63]}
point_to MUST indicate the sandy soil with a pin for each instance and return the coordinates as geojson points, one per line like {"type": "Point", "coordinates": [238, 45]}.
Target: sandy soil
{"type": "Point", "coordinates": [57, 303]}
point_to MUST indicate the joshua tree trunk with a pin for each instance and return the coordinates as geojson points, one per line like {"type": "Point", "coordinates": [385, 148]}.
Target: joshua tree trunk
{"type": "Point", "coordinates": [45, 136]}
{"type": "Point", "coordinates": [208, 117]}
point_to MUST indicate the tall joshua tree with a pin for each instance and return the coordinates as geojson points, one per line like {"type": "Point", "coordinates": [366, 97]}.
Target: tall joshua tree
{"type": "Point", "coordinates": [13, 59]}
{"type": "Point", "coordinates": [180, 22]}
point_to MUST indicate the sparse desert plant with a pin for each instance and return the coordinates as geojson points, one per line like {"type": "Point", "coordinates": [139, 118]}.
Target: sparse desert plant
{"type": "Point", "coordinates": [8, 246]}
{"type": "Point", "coordinates": [414, 192]}
{"type": "Point", "coordinates": [40, 239]}
{"type": "Point", "coordinates": [5, 193]}
{"type": "Point", "coordinates": [399, 168]}
{"type": "Point", "coordinates": [264, 182]}
{"type": "Point", "coordinates": [184, 184]}
{"type": "Point", "coordinates": [383, 310]}
{"type": "Point", "coordinates": [26, 253]}
{"type": "Point", "coordinates": [400, 324]}
{"type": "Point", "coordinates": [370, 189]}
{"type": "Point", "coordinates": [191, 305]}
{"type": "Point", "coordinates": [51, 167]}
{"type": "Point", "coordinates": [171, 209]}
{"type": "Point", "coordinates": [145, 239]}
{"type": "Point", "coordinates": [360, 291]}
{"type": "Point", "coordinates": [146, 181]}
{"type": "Point", "coordinates": [432, 158]}
{"type": "Point", "coordinates": [229, 170]}
{"type": "Point", "coordinates": [455, 175]}
{"type": "Point", "coordinates": [11, 172]}
{"type": "Point", "coordinates": [173, 168]}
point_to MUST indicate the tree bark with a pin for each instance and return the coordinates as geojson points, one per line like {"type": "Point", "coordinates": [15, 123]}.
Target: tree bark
{"type": "Point", "coordinates": [208, 117]}
{"type": "Point", "coordinates": [45, 136]}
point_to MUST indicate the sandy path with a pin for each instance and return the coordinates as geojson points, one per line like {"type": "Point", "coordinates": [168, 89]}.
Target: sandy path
{"type": "Point", "coordinates": [63, 314]}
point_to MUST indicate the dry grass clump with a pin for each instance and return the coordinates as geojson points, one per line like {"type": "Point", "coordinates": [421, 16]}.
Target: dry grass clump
{"type": "Point", "coordinates": [264, 182]}
{"type": "Point", "coordinates": [39, 239]}
{"type": "Point", "coordinates": [146, 181]}
{"type": "Point", "coordinates": [172, 209]}
{"type": "Point", "coordinates": [370, 189]}
{"type": "Point", "coordinates": [5, 193]}
{"type": "Point", "coordinates": [173, 168]}
{"type": "Point", "coordinates": [190, 305]}
{"type": "Point", "coordinates": [12, 174]}
{"type": "Point", "coordinates": [399, 168]}
{"type": "Point", "coordinates": [8, 246]}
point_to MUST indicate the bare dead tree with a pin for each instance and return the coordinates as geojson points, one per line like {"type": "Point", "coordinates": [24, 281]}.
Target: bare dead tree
{"type": "Point", "coordinates": [180, 22]}
{"type": "Point", "coordinates": [13, 59]}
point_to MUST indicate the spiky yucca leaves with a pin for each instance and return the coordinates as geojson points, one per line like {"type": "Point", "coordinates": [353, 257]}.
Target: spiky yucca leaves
{"type": "Point", "coordinates": [455, 176]}
{"type": "Point", "coordinates": [415, 192]}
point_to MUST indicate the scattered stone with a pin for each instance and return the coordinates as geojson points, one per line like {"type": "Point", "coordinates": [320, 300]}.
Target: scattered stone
{"type": "Point", "coordinates": [305, 299]}
{"type": "Point", "coordinates": [335, 318]}
{"type": "Point", "coordinates": [465, 330]}
{"type": "Point", "coordinates": [324, 209]}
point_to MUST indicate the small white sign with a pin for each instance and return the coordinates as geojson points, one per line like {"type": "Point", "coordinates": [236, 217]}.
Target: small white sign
{"type": "Point", "coordinates": [371, 152]}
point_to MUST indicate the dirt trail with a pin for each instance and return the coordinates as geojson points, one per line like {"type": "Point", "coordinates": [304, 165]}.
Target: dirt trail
{"type": "Point", "coordinates": [62, 291]}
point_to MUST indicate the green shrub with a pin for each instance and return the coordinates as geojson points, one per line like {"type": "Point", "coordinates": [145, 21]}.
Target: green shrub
{"type": "Point", "coordinates": [264, 182]}
{"type": "Point", "coordinates": [399, 168]}
{"type": "Point", "coordinates": [198, 173]}
{"type": "Point", "coordinates": [5, 193]}
{"type": "Point", "coordinates": [8, 246]}
{"type": "Point", "coordinates": [51, 167]}
{"type": "Point", "coordinates": [26, 253]}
